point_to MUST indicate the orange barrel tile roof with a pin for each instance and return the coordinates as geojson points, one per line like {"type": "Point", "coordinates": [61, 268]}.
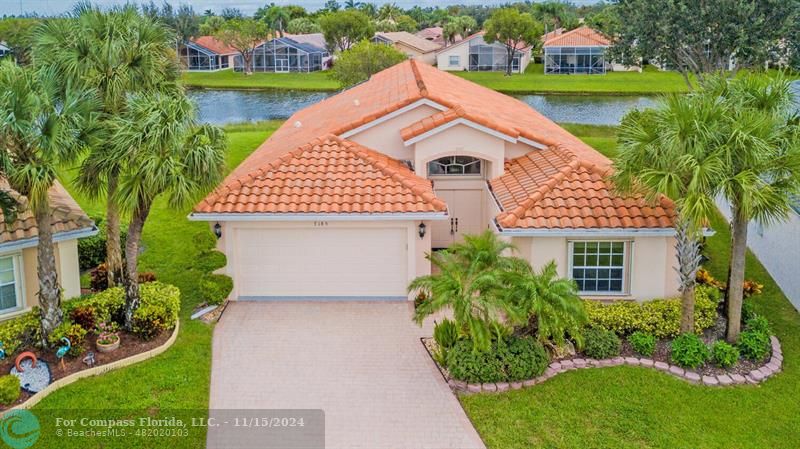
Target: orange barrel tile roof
{"type": "Point", "coordinates": [215, 45]}
{"type": "Point", "coordinates": [579, 37]}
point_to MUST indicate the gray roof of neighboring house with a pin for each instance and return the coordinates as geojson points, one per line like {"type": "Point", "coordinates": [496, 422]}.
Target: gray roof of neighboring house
{"type": "Point", "coordinates": [411, 40]}
{"type": "Point", "coordinates": [315, 40]}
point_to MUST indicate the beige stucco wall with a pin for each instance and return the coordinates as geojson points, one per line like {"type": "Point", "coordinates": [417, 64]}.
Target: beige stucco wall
{"type": "Point", "coordinates": [650, 274]}
{"type": "Point", "coordinates": [416, 54]}
{"type": "Point", "coordinates": [67, 270]}
{"type": "Point", "coordinates": [385, 136]}
{"type": "Point", "coordinates": [443, 58]}
{"type": "Point", "coordinates": [417, 264]}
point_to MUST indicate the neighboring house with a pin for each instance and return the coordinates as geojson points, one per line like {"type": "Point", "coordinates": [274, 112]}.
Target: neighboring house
{"type": "Point", "coordinates": [582, 50]}
{"type": "Point", "coordinates": [433, 34]}
{"type": "Point", "coordinates": [777, 247]}
{"type": "Point", "coordinates": [291, 53]}
{"type": "Point", "coordinates": [19, 283]}
{"type": "Point", "coordinates": [474, 54]}
{"type": "Point", "coordinates": [206, 53]}
{"type": "Point", "coordinates": [410, 45]}
{"type": "Point", "coordinates": [347, 197]}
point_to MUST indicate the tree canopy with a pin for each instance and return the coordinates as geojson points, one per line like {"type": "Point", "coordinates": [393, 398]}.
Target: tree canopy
{"type": "Point", "coordinates": [342, 29]}
{"type": "Point", "coordinates": [244, 35]}
{"type": "Point", "coordinates": [364, 60]}
{"type": "Point", "coordinates": [513, 29]}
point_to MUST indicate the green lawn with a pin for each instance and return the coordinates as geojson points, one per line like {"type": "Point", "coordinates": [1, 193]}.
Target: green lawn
{"type": "Point", "coordinates": [627, 407]}
{"type": "Point", "coordinates": [178, 379]}
{"type": "Point", "coordinates": [228, 79]}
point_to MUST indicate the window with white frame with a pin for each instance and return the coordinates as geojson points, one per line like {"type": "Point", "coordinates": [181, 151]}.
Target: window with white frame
{"type": "Point", "coordinates": [455, 165]}
{"type": "Point", "coordinates": [599, 267]}
{"type": "Point", "coordinates": [9, 287]}
{"type": "Point", "coordinates": [455, 60]}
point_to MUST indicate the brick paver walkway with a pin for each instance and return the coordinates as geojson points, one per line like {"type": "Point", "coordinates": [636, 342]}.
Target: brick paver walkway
{"type": "Point", "coordinates": [362, 363]}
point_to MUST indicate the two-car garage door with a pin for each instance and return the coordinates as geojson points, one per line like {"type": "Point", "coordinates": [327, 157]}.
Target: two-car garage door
{"type": "Point", "coordinates": [321, 263]}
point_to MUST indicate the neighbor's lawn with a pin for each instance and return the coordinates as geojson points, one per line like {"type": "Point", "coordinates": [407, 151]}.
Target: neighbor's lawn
{"type": "Point", "coordinates": [627, 407]}
{"type": "Point", "coordinates": [650, 81]}
{"type": "Point", "coordinates": [228, 79]}
{"type": "Point", "coordinates": [179, 378]}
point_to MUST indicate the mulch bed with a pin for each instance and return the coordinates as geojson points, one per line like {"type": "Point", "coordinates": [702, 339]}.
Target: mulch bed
{"type": "Point", "coordinates": [129, 345]}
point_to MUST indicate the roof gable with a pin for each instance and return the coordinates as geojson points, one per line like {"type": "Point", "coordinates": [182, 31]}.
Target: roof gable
{"type": "Point", "coordinates": [214, 45]}
{"type": "Point", "coordinates": [579, 37]}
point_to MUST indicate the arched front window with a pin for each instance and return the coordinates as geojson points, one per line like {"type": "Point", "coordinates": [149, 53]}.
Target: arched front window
{"type": "Point", "coordinates": [455, 165]}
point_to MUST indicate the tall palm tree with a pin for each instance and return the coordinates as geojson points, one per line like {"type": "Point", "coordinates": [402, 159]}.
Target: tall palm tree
{"type": "Point", "coordinates": [352, 4]}
{"type": "Point", "coordinates": [369, 9]}
{"type": "Point", "coordinates": [115, 53]}
{"type": "Point", "coordinates": [389, 11]}
{"type": "Point", "coordinates": [468, 281]}
{"type": "Point", "coordinates": [165, 153]}
{"type": "Point", "coordinates": [277, 17]}
{"type": "Point", "coordinates": [42, 129]}
{"type": "Point", "coordinates": [760, 172]}
{"type": "Point", "coordinates": [543, 301]}
{"type": "Point", "coordinates": [672, 151]}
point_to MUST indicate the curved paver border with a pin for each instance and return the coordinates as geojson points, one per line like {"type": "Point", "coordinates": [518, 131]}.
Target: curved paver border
{"type": "Point", "coordinates": [97, 370]}
{"type": "Point", "coordinates": [758, 375]}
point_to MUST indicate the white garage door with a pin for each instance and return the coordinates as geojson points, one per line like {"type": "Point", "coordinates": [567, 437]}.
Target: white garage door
{"type": "Point", "coordinates": [321, 263]}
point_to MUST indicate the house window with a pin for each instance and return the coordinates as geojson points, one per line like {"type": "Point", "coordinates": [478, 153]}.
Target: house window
{"type": "Point", "coordinates": [9, 298]}
{"type": "Point", "coordinates": [455, 60]}
{"type": "Point", "coordinates": [598, 267]}
{"type": "Point", "coordinates": [454, 165]}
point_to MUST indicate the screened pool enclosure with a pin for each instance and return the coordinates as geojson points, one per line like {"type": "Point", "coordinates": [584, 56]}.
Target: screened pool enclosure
{"type": "Point", "coordinates": [286, 55]}
{"type": "Point", "coordinates": [588, 60]}
{"type": "Point", "coordinates": [197, 57]}
{"type": "Point", "coordinates": [485, 57]}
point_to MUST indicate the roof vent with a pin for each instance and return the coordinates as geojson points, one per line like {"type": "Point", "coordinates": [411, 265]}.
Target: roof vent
{"type": "Point", "coordinates": [356, 102]}
{"type": "Point", "coordinates": [298, 124]}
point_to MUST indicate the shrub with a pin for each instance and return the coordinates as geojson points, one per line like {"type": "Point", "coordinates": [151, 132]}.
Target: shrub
{"type": "Point", "coordinates": [748, 310]}
{"type": "Point", "coordinates": [724, 355]}
{"type": "Point", "coordinates": [751, 288]}
{"type": "Point", "coordinates": [84, 316]}
{"type": "Point", "coordinates": [215, 288]}
{"type": "Point", "coordinates": [754, 345]}
{"type": "Point", "coordinates": [445, 334]}
{"type": "Point", "coordinates": [92, 250]}
{"type": "Point", "coordinates": [9, 389]}
{"type": "Point", "coordinates": [20, 332]}
{"type": "Point", "coordinates": [467, 364]}
{"type": "Point", "coordinates": [704, 277]}
{"type": "Point", "coordinates": [689, 351]}
{"type": "Point", "coordinates": [211, 260]}
{"type": "Point", "coordinates": [73, 332]}
{"type": "Point", "coordinates": [660, 317]}
{"type": "Point", "coordinates": [644, 344]}
{"type": "Point", "coordinates": [98, 278]}
{"type": "Point", "coordinates": [108, 304]}
{"type": "Point", "coordinates": [601, 343]}
{"type": "Point", "coordinates": [758, 323]}
{"type": "Point", "coordinates": [158, 309]}
{"type": "Point", "coordinates": [522, 358]}
{"type": "Point", "coordinates": [146, 276]}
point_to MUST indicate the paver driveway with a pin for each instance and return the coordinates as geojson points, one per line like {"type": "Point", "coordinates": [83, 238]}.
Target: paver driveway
{"type": "Point", "coordinates": [362, 363]}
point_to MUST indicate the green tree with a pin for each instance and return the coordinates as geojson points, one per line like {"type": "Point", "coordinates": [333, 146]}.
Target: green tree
{"type": "Point", "coordinates": [332, 6]}
{"type": "Point", "coordinates": [187, 23]}
{"type": "Point", "coordinates": [352, 4]}
{"type": "Point", "coordinates": [343, 29]}
{"type": "Point", "coordinates": [407, 23]}
{"type": "Point", "coordinates": [672, 151]}
{"type": "Point", "coordinates": [698, 38]}
{"type": "Point", "coordinates": [458, 26]}
{"type": "Point", "coordinates": [389, 11]}
{"type": "Point", "coordinates": [547, 305]}
{"type": "Point", "coordinates": [244, 35]}
{"type": "Point", "coordinates": [514, 30]}
{"type": "Point", "coordinates": [302, 25]}
{"type": "Point", "coordinates": [112, 53]}
{"type": "Point", "coordinates": [276, 17]}
{"type": "Point", "coordinates": [760, 174]}
{"type": "Point", "coordinates": [554, 15]}
{"type": "Point", "coordinates": [369, 9]}
{"type": "Point", "coordinates": [18, 33]}
{"type": "Point", "coordinates": [41, 132]}
{"type": "Point", "coordinates": [469, 280]}
{"type": "Point", "coordinates": [364, 60]}
{"type": "Point", "coordinates": [211, 25]}
{"type": "Point", "coordinates": [166, 153]}
{"type": "Point", "coordinates": [605, 20]}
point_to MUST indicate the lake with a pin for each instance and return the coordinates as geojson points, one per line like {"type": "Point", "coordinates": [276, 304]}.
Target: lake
{"type": "Point", "coordinates": [221, 107]}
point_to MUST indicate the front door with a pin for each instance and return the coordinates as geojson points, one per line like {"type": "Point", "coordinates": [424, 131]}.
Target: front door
{"type": "Point", "coordinates": [281, 65]}
{"type": "Point", "coordinates": [466, 217]}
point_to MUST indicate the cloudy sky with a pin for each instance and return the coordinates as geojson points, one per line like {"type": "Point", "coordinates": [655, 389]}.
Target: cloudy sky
{"type": "Point", "coordinates": [55, 7]}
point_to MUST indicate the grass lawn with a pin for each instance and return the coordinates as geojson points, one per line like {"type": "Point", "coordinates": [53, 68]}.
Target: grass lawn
{"type": "Point", "coordinates": [228, 79]}
{"type": "Point", "coordinates": [628, 407]}
{"type": "Point", "coordinates": [179, 378]}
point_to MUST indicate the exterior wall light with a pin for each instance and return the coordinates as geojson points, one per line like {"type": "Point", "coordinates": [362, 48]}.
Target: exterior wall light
{"type": "Point", "coordinates": [218, 230]}
{"type": "Point", "coordinates": [422, 230]}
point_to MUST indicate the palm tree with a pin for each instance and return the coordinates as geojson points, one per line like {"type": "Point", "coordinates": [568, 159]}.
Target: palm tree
{"type": "Point", "coordinates": [469, 280]}
{"type": "Point", "coordinates": [352, 4]}
{"type": "Point", "coordinates": [760, 172]}
{"type": "Point", "coordinates": [672, 151]}
{"type": "Point", "coordinates": [547, 304]}
{"type": "Point", "coordinates": [42, 129]}
{"type": "Point", "coordinates": [277, 17]}
{"type": "Point", "coordinates": [165, 153]}
{"type": "Point", "coordinates": [389, 11]}
{"type": "Point", "coordinates": [114, 53]}
{"type": "Point", "coordinates": [369, 9]}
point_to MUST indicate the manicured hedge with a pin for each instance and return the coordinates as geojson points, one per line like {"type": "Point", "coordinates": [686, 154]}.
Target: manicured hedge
{"type": "Point", "coordinates": [660, 317]}
{"type": "Point", "coordinates": [215, 288]}
{"type": "Point", "coordinates": [19, 332]}
{"type": "Point", "coordinates": [514, 359]}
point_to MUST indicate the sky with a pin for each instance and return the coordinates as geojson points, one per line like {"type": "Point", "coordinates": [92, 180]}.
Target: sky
{"type": "Point", "coordinates": [55, 7]}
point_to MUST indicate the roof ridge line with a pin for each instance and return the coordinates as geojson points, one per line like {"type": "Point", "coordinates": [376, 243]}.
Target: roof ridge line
{"type": "Point", "coordinates": [418, 77]}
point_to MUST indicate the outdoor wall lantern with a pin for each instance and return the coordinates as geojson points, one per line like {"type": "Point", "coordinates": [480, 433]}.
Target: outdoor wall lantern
{"type": "Point", "coordinates": [218, 230]}
{"type": "Point", "coordinates": [422, 230]}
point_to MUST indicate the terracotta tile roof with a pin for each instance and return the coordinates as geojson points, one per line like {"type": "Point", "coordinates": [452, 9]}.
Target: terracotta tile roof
{"type": "Point", "coordinates": [67, 216]}
{"type": "Point", "coordinates": [215, 45]}
{"type": "Point", "coordinates": [435, 35]}
{"type": "Point", "coordinates": [554, 189]}
{"type": "Point", "coordinates": [441, 118]}
{"type": "Point", "coordinates": [579, 37]}
{"type": "Point", "coordinates": [551, 34]}
{"type": "Point", "coordinates": [328, 175]}
{"type": "Point", "coordinates": [404, 37]}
